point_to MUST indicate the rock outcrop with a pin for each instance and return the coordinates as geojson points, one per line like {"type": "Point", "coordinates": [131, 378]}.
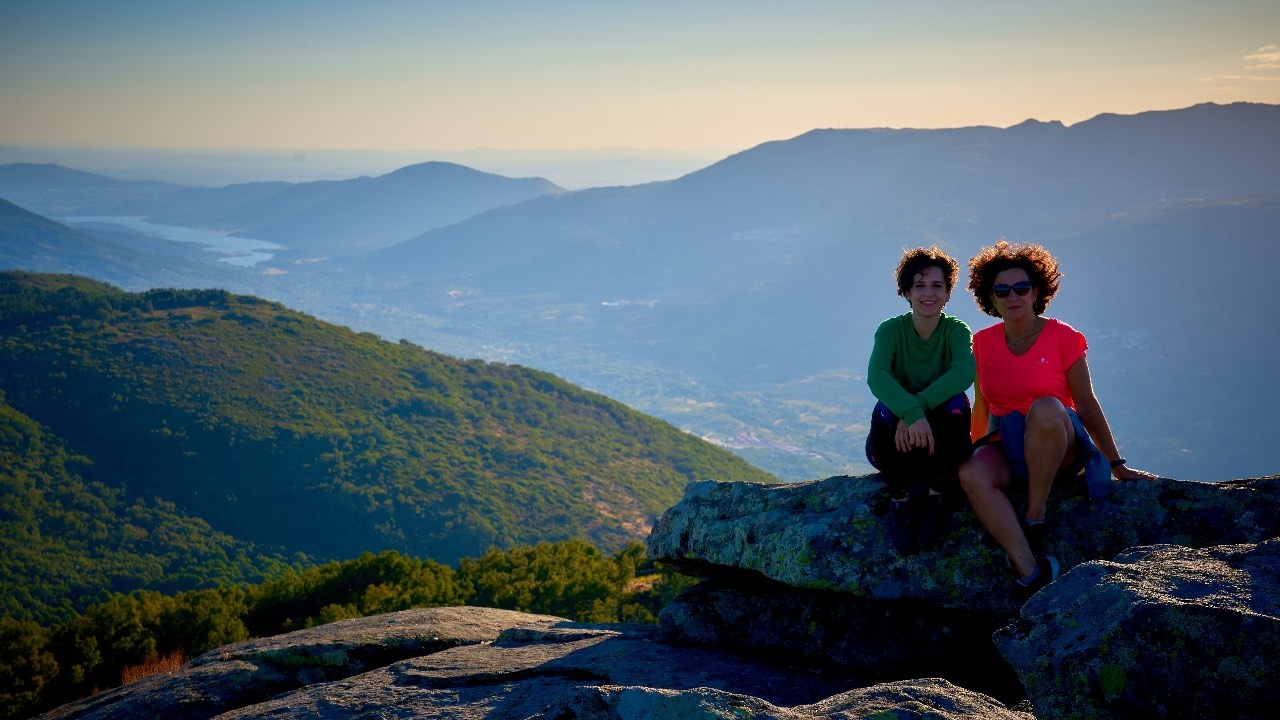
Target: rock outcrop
{"type": "Point", "coordinates": [931, 698]}
{"type": "Point", "coordinates": [467, 662]}
{"type": "Point", "coordinates": [248, 673]}
{"type": "Point", "coordinates": [1160, 632]}
{"type": "Point", "coordinates": [829, 534]}
{"type": "Point", "coordinates": [806, 569]}
{"type": "Point", "coordinates": [806, 613]}
{"type": "Point", "coordinates": [875, 641]}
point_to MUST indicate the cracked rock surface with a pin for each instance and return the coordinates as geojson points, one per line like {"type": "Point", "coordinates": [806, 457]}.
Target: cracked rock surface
{"type": "Point", "coordinates": [1161, 631]}
{"type": "Point", "coordinates": [453, 662]}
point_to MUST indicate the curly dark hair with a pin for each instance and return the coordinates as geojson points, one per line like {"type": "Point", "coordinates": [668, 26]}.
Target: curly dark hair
{"type": "Point", "coordinates": [916, 261]}
{"type": "Point", "coordinates": [1040, 264]}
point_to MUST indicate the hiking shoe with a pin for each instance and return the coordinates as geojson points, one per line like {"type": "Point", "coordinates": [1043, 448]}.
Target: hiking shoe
{"type": "Point", "coordinates": [903, 526]}
{"type": "Point", "coordinates": [1033, 533]}
{"type": "Point", "coordinates": [933, 520]}
{"type": "Point", "coordinates": [1047, 569]}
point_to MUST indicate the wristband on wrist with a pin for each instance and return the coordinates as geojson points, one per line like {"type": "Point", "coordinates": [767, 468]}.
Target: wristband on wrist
{"type": "Point", "coordinates": [1118, 462]}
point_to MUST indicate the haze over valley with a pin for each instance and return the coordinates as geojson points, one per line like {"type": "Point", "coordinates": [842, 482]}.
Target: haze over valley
{"type": "Point", "coordinates": [738, 301]}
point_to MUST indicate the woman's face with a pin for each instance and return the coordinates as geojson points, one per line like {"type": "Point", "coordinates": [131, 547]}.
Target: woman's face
{"type": "Point", "coordinates": [1014, 306]}
{"type": "Point", "coordinates": [928, 292]}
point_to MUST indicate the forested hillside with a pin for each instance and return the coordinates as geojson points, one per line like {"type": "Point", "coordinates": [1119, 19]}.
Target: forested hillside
{"type": "Point", "coordinates": [295, 436]}
{"type": "Point", "coordinates": [65, 541]}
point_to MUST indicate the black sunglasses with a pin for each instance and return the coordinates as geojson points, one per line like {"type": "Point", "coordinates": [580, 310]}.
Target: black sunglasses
{"type": "Point", "coordinates": [1002, 290]}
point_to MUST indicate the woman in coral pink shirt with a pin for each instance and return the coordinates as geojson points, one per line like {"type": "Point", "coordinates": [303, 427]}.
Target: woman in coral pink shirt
{"type": "Point", "coordinates": [1035, 414]}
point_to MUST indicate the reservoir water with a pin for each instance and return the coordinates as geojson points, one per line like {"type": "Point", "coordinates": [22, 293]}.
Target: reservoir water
{"type": "Point", "coordinates": [245, 252]}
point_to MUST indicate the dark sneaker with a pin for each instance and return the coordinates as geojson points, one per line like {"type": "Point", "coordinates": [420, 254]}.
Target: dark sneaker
{"type": "Point", "coordinates": [1035, 535]}
{"type": "Point", "coordinates": [1033, 532]}
{"type": "Point", "coordinates": [933, 520]}
{"type": "Point", "coordinates": [1047, 569]}
{"type": "Point", "coordinates": [903, 526]}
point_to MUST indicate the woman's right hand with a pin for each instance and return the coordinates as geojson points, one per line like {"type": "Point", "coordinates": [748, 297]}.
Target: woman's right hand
{"type": "Point", "coordinates": [1125, 472]}
{"type": "Point", "coordinates": [918, 434]}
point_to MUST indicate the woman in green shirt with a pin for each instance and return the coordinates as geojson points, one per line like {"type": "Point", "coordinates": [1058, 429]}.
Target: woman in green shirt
{"type": "Point", "coordinates": [921, 365]}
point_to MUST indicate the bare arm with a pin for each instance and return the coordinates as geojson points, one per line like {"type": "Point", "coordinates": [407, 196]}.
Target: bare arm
{"type": "Point", "coordinates": [1090, 412]}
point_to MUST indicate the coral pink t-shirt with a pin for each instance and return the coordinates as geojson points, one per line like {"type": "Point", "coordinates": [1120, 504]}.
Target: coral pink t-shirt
{"type": "Point", "coordinates": [1012, 382]}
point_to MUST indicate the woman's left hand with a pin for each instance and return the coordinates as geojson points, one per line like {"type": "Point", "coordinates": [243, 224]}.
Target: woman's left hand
{"type": "Point", "coordinates": [920, 435]}
{"type": "Point", "coordinates": [1124, 472]}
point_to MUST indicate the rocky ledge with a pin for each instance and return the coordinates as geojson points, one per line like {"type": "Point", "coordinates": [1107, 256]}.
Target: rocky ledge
{"type": "Point", "coordinates": [829, 535]}
{"type": "Point", "coordinates": [468, 663]}
{"type": "Point", "coordinates": [1170, 607]}
{"type": "Point", "coordinates": [806, 570]}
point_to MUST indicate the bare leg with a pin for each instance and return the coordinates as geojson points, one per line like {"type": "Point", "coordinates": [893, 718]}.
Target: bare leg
{"type": "Point", "coordinates": [1050, 446]}
{"type": "Point", "coordinates": [984, 478]}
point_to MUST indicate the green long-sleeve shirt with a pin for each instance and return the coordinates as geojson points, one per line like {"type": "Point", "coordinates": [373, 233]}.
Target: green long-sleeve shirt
{"type": "Point", "coordinates": [910, 375]}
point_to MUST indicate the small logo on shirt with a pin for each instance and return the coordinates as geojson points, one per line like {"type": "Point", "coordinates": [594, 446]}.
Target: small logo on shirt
{"type": "Point", "coordinates": [1042, 361]}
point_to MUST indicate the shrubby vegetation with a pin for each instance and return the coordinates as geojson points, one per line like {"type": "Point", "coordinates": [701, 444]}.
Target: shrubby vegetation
{"type": "Point", "coordinates": [190, 439]}
{"type": "Point", "coordinates": [66, 542]}
{"type": "Point", "coordinates": [42, 667]}
{"type": "Point", "coordinates": [176, 466]}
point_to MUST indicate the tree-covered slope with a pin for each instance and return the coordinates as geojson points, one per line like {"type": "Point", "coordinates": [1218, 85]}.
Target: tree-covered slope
{"type": "Point", "coordinates": [287, 432]}
{"type": "Point", "coordinates": [66, 542]}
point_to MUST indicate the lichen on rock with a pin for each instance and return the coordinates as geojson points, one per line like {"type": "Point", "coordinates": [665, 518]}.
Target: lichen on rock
{"type": "Point", "coordinates": [1162, 631]}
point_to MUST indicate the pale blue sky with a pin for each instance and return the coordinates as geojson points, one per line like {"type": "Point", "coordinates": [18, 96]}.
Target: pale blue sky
{"type": "Point", "coordinates": [565, 74]}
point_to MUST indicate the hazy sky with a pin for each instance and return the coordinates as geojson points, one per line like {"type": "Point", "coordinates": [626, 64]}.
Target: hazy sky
{"type": "Point", "coordinates": [564, 74]}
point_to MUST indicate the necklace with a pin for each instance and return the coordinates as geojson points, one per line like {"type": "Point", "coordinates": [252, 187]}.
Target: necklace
{"type": "Point", "coordinates": [1019, 342]}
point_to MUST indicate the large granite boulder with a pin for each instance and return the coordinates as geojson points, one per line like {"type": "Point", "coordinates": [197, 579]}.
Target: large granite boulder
{"type": "Point", "coordinates": [930, 698]}
{"type": "Point", "coordinates": [254, 671]}
{"type": "Point", "coordinates": [829, 535]}
{"type": "Point", "coordinates": [472, 663]}
{"type": "Point", "coordinates": [1160, 632]}
{"type": "Point", "coordinates": [806, 569]}
{"type": "Point", "coordinates": [875, 641]}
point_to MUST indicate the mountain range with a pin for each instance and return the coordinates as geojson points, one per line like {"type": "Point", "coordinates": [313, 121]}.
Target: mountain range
{"type": "Point", "coordinates": [327, 217]}
{"type": "Point", "coordinates": [739, 301]}
{"type": "Point", "coordinates": [159, 438]}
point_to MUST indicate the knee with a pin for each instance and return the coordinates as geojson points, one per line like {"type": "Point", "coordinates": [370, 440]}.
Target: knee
{"type": "Point", "coordinates": [983, 471]}
{"type": "Point", "coordinates": [972, 476]}
{"type": "Point", "coordinates": [1047, 413]}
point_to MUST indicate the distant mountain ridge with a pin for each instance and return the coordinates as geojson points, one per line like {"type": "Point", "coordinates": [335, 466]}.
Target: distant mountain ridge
{"type": "Point", "coordinates": [768, 270]}
{"type": "Point", "coordinates": [394, 207]}
{"type": "Point", "coordinates": [809, 191]}
{"type": "Point", "coordinates": [739, 300]}
{"type": "Point", "coordinates": [54, 190]}
{"type": "Point", "coordinates": [287, 433]}
{"type": "Point", "coordinates": [326, 217]}
{"type": "Point", "coordinates": [281, 206]}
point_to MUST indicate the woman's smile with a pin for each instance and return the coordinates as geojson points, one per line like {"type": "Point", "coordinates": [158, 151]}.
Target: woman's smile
{"type": "Point", "coordinates": [929, 292]}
